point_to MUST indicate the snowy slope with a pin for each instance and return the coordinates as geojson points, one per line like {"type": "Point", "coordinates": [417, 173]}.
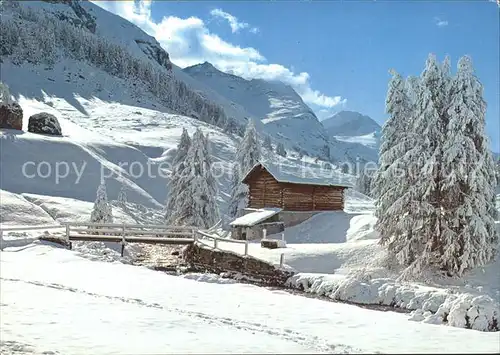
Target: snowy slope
{"type": "Point", "coordinates": [106, 128]}
{"type": "Point", "coordinates": [353, 127]}
{"type": "Point", "coordinates": [350, 123]}
{"type": "Point", "coordinates": [109, 308]}
{"type": "Point", "coordinates": [285, 116]}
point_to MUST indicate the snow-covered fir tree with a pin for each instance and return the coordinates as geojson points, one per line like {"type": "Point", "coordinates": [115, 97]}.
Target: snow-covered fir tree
{"type": "Point", "coordinates": [425, 220]}
{"type": "Point", "coordinates": [280, 149]}
{"type": "Point", "coordinates": [440, 213]}
{"type": "Point", "coordinates": [196, 200]}
{"type": "Point", "coordinates": [364, 182]}
{"type": "Point", "coordinates": [5, 97]}
{"type": "Point", "coordinates": [390, 181]}
{"type": "Point", "coordinates": [178, 165]}
{"type": "Point", "coordinates": [102, 211]}
{"type": "Point", "coordinates": [468, 190]}
{"type": "Point", "coordinates": [267, 143]}
{"type": "Point", "coordinates": [247, 155]}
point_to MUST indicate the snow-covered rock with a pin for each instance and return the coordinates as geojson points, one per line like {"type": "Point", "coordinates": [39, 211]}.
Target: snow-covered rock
{"type": "Point", "coordinates": [44, 123]}
{"type": "Point", "coordinates": [11, 116]}
{"type": "Point", "coordinates": [430, 304]}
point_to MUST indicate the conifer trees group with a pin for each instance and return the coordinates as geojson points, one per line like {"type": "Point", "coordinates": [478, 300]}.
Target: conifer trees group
{"type": "Point", "coordinates": [435, 183]}
{"type": "Point", "coordinates": [192, 198]}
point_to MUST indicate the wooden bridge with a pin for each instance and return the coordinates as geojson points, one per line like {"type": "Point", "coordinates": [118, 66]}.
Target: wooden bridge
{"type": "Point", "coordinates": [130, 233]}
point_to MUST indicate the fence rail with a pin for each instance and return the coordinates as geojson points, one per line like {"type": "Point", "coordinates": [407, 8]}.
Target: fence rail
{"type": "Point", "coordinates": [216, 239]}
{"type": "Point", "coordinates": [133, 233]}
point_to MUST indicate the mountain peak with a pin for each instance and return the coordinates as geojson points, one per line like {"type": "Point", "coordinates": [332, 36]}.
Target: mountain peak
{"type": "Point", "coordinates": [350, 123]}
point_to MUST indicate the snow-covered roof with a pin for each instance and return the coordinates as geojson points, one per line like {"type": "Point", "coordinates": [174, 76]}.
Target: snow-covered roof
{"type": "Point", "coordinates": [253, 218]}
{"type": "Point", "coordinates": [308, 174]}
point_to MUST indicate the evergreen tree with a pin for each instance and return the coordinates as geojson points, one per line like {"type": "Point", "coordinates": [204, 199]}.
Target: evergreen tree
{"type": "Point", "coordinates": [247, 155]}
{"type": "Point", "coordinates": [468, 191]}
{"type": "Point", "coordinates": [178, 165]}
{"type": "Point", "coordinates": [5, 97]}
{"type": "Point", "coordinates": [122, 196]}
{"type": "Point", "coordinates": [391, 181]}
{"type": "Point", "coordinates": [102, 211]}
{"type": "Point", "coordinates": [267, 143]}
{"type": "Point", "coordinates": [280, 149]}
{"type": "Point", "coordinates": [364, 182]}
{"type": "Point", "coordinates": [409, 225]}
{"type": "Point", "coordinates": [196, 203]}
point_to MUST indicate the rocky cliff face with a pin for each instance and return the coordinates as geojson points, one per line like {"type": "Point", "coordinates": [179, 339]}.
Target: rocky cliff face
{"type": "Point", "coordinates": [81, 19]}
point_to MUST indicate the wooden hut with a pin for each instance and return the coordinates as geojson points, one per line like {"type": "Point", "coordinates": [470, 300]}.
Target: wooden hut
{"type": "Point", "coordinates": [295, 188]}
{"type": "Point", "coordinates": [252, 225]}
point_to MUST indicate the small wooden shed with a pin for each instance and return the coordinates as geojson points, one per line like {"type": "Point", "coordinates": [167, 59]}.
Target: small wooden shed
{"type": "Point", "coordinates": [251, 225]}
{"type": "Point", "coordinates": [295, 188]}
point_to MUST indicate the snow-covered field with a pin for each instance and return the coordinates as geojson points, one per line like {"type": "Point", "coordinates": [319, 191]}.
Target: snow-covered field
{"type": "Point", "coordinates": [338, 256]}
{"type": "Point", "coordinates": [65, 304]}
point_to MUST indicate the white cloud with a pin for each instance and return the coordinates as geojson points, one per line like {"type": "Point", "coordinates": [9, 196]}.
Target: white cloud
{"type": "Point", "coordinates": [440, 22]}
{"type": "Point", "coordinates": [188, 42]}
{"type": "Point", "coordinates": [233, 21]}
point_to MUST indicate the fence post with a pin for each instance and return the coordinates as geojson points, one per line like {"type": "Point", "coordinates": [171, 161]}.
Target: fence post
{"type": "Point", "coordinates": [67, 236]}
{"type": "Point", "coordinates": [195, 236]}
{"type": "Point", "coordinates": [216, 243]}
{"type": "Point", "coordinates": [283, 236]}
{"type": "Point", "coordinates": [67, 232]}
{"type": "Point", "coordinates": [264, 233]}
{"type": "Point", "coordinates": [1, 239]}
{"type": "Point", "coordinates": [246, 247]}
{"type": "Point", "coordinates": [123, 240]}
{"type": "Point", "coordinates": [282, 259]}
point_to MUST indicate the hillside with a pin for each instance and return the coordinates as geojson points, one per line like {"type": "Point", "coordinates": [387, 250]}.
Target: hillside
{"type": "Point", "coordinates": [284, 115]}
{"type": "Point", "coordinates": [353, 127]}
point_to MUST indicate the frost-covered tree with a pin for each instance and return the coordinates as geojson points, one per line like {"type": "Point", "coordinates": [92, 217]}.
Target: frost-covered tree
{"type": "Point", "coordinates": [196, 202]}
{"type": "Point", "coordinates": [178, 164]}
{"type": "Point", "coordinates": [247, 155]}
{"type": "Point", "coordinates": [267, 143]}
{"type": "Point", "coordinates": [102, 211]}
{"type": "Point", "coordinates": [122, 196]}
{"type": "Point", "coordinates": [280, 149]}
{"type": "Point", "coordinates": [5, 97]}
{"type": "Point", "coordinates": [391, 181]}
{"type": "Point", "coordinates": [364, 182]}
{"type": "Point", "coordinates": [414, 237]}
{"type": "Point", "coordinates": [440, 213]}
{"type": "Point", "coordinates": [468, 190]}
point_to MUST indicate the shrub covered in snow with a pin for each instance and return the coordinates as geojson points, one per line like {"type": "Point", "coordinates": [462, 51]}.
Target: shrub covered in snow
{"type": "Point", "coordinates": [431, 305]}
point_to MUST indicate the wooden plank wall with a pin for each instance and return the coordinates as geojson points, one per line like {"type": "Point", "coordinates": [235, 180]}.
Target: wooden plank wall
{"type": "Point", "coordinates": [265, 191]}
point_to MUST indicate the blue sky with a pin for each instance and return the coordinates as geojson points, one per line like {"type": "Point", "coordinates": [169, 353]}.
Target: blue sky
{"type": "Point", "coordinates": [336, 54]}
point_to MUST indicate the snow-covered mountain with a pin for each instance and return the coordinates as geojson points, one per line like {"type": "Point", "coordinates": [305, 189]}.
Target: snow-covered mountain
{"type": "Point", "coordinates": [281, 110]}
{"type": "Point", "coordinates": [353, 127]}
{"type": "Point", "coordinates": [100, 76]}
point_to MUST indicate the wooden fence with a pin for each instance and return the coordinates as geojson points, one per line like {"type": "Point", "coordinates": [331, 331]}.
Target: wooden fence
{"type": "Point", "coordinates": [133, 233]}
